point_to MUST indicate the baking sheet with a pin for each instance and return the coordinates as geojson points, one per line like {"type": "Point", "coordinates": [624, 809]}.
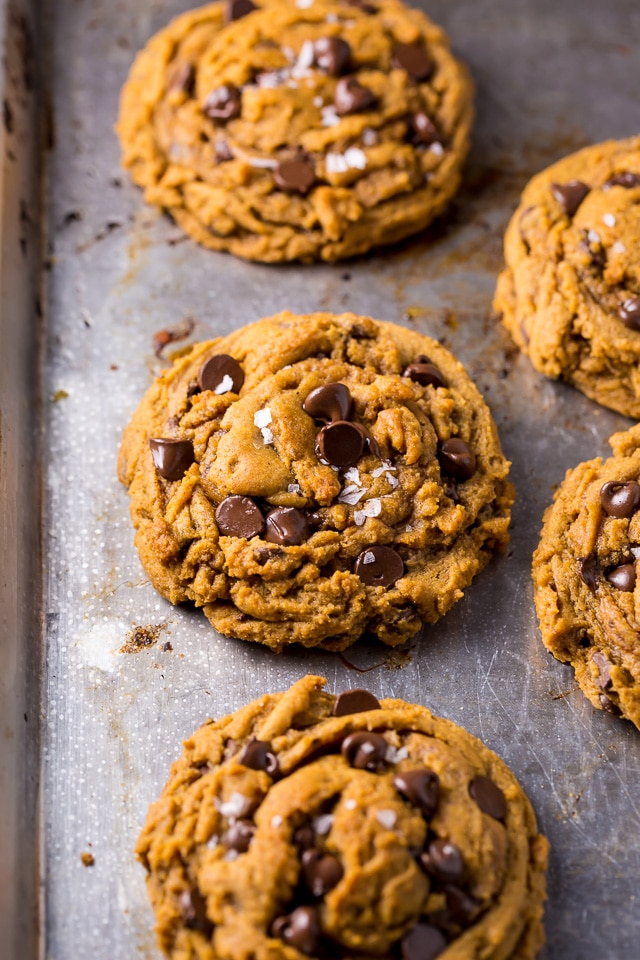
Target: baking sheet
{"type": "Point", "coordinates": [552, 76]}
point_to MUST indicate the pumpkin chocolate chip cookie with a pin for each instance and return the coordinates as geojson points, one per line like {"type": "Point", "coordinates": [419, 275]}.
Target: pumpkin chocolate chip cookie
{"type": "Point", "coordinates": [308, 825]}
{"type": "Point", "coordinates": [309, 131]}
{"type": "Point", "coordinates": [309, 478]}
{"type": "Point", "coordinates": [570, 296]}
{"type": "Point", "coordinates": [584, 572]}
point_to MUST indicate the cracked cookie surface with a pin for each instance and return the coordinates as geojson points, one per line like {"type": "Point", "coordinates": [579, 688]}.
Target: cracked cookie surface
{"type": "Point", "coordinates": [584, 573]}
{"type": "Point", "coordinates": [298, 132]}
{"type": "Point", "coordinates": [570, 295]}
{"type": "Point", "coordinates": [306, 825]}
{"type": "Point", "coordinates": [309, 478]}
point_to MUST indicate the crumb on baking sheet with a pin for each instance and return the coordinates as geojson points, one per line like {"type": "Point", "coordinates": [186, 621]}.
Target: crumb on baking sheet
{"type": "Point", "coordinates": [142, 637]}
{"type": "Point", "coordinates": [87, 858]}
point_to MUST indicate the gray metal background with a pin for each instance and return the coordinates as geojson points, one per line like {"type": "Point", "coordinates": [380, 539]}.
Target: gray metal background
{"type": "Point", "coordinates": [552, 76]}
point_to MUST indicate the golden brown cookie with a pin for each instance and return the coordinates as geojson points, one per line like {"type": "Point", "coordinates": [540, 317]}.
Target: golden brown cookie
{"type": "Point", "coordinates": [308, 131]}
{"type": "Point", "coordinates": [306, 825]}
{"type": "Point", "coordinates": [308, 478]}
{"type": "Point", "coordinates": [570, 296]}
{"type": "Point", "coordinates": [584, 573]}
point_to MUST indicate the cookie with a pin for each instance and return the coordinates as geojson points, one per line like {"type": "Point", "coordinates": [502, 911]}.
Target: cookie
{"type": "Point", "coordinates": [584, 572]}
{"type": "Point", "coordinates": [309, 478]}
{"type": "Point", "coordinates": [309, 825]}
{"type": "Point", "coordinates": [570, 295]}
{"type": "Point", "coordinates": [309, 131]}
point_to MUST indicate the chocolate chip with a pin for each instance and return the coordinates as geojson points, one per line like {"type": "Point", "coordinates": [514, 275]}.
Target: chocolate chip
{"type": "Point", "coordinates": [489, 797]}
{"type": "Point", "coordinates": [443, 861]}
{"type": "Point", "coordinates": [620, 498]}
{"type": "Point", "coordinates": [222, 150]}
{"type": "Point", "coordinates": [224, 103]}
{"type": "Point", "coordinates": [340, 443]}
{"type": "Point", "coordinates": [626, 180]}
{"type": "Point", "coordinates": [423, 129]}
{"type": "Point", "coordinates": [222, 374]}
{"type": "Point", "coordinates": [629, 312]}
{"type": "Point", "coordinates": [363, 750]}
{"type": "Point", "coordinates": [423, 942]}
{"type": "Point", "coordinates": [354, 701]}
{"type": "Point", "coordinates": [379, 566]}
{"type": "Point", "coordinates": [172, 458]}
{"type": "Point", "coordinates": [287, 526]}
{"type": "Point", "coordinates": [236, 9]}
{"type": "Point", "coordinates": [301, 929]}
{"type": "Point", "coordinates": [304, 837]}
{"type": "Point", "coordinates": [570, 195]}
{"type": "Point", "coordinates": [182, 77]}
{"type": "Point", "coordinates": [193, 908]}
{"type": "Point", "coordinates": [419, 787]}
{"type": "Point", "coordinates": [451, 489]}
{"type": "Point", "coordinates": [295, 176]}
{"type": "Point", "coordinates": [623, 577]}
{"type": "Point", "coordinates": [332, 55]}
{"type": "Point", "coordinates": [330, 402]}
{"type": "Point", "coordinates": [238, 516]}
{"type": "Point", "coordinates": [604, 680]}
{"type": "Point", "coordinates": [413, 58]}
{"type": "Point", "coordinates": [457, 459]}
{"type": "Point", "coordinates": [588, 570]}
{"type": "Point", "coordinates": [193, 388]}
{"type": "Point", "coordinates": [610, 706]}
{"type": "Point", "coordinates": [460, 905]}
{"type": "Point", "coordinates": [257, 755]}
{"type": "Point", "coordinates": [352, 97]}
{"type": "Point", "coordinates": [239, 836]}
{"type": "Point", "coordinates": [321, 872]}
{"type": "Point", "coordinates": [369, 439]}
{"type": "Point", "coordinates": [424, 373]}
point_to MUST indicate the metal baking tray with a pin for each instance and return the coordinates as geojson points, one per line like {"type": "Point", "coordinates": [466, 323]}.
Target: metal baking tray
{"type": "Point", "coordinates": [88, 731]}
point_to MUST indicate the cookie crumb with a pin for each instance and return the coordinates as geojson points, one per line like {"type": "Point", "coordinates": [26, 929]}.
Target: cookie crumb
{"type": "Point", "coordinates": [141, 637]}
{"type": "Point", "coordinates": [87, 859]}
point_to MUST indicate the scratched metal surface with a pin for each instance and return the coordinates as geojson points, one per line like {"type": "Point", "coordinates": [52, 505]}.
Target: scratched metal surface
{"type": "Point", "coordinates": [548, 82]}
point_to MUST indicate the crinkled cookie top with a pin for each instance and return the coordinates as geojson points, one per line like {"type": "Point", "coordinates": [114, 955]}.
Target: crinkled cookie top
{"type": "Point", "coordinates": [298, 131]}
{"type": "Point", "coordinates": [571, 292]}
{"type": "Point", "coordinates": [306, 479]}
{"type": "Point", "coordinates": [306, 825]}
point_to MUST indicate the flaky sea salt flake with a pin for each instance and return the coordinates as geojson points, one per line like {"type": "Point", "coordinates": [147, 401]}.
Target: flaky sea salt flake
{"type": "Point", "coordinates": [387, 818]}
{"type": "Point", "coordinates": [225, 385]}
{"type": "Point", "coordinates": [609, 220]}
{"type": "Point", "coordinates": [356, 158]}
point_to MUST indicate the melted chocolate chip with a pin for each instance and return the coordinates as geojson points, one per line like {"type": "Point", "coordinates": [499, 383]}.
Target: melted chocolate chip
{"type": "Point", "coordinates": [321, 872]}
{"type": "Point", "coordinates": [443, 861]}
{"type": "Point", "coordinates": [629, 312]}
{"type": "Point", "coordinates": [352, 97]}
{"type": "Point", "coordinates": [182, 77]}
{"type": "Point", "coordinates": [369, 439]}
{"type": "Point", "coordinates": [224, 103]}
{"type": "Point", "coordinates": [610, 706]}
{"type": "Point", "coordinates": [489, 797]}
{"type": "Point", "coordinates": [588, 570]}
{"type": "Point", "coordinates": [222, 374]}
{"type": "Point", "coordinates": [423, 942]}
{"type": "Point", "coordinates": [304, 837]}
{"type": "Point", "coordinates": [620, 498]}
{"type": "Point", "coordinates": [379, 566]}
{"type": "Point", "coordinates": [193, 908]}
{"type": "Point", "coordinates": [354, 701]}
{"type": "Point", "coordinates": [570, 195]}
{"type": "Point", "coordinates": [238, 516]}
{"type": "Point", "coordinates": [222, 150]}
{"type": "Point", "coordinates": [626, 180]}
{"type": "Point", "coordinates": [604, 680]}
{"type": "Point", "coordinates": [236, 9]}
{"type": "Point", "coordinates": [413, 58]}
{"type": "Point", "coordinates": [363, 750]}
{"type": "Point", "coordinates": [301, 929]}
{"type": "Point", "coordinates": [295, 176]}
{"type": "Point", "coordinates": [424, 373]}
{"type": "Point", "coordinates": [623, 577]}
{"type": "Point", "coordinates": [423, 129]}
{"type": "Point", "coordinates": [257, 755]}
{"type": "Point", "coordinates": [460, 905]}
{"type": "Point", "coordinates": [419, 787]}
{"type": "Point", "coordinates": [457, 459]}
{"type": "Point", "coordinates": [329, 403]}
{"type": "Point", "coordinates": [287, 526]}
{"type": "Point", "coordinates": [171, 458]}
{"type": "Point", "coordinates": [332, 55]}
{"type": "Point", "coordinates": [239, 836]}
{"type": "Point", "coordinates": [341, 443]}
